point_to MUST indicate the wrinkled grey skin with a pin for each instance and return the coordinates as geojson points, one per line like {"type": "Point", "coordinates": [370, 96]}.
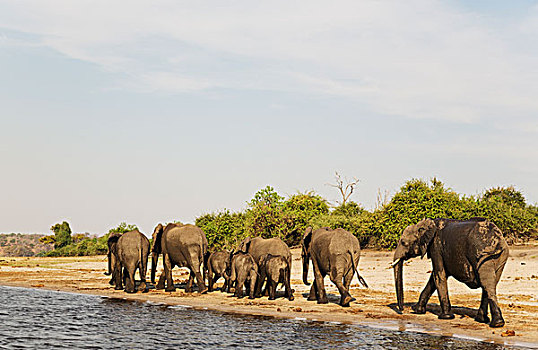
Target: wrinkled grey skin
{"type": "Point", "coordinates": [131, 252]}
{"type": "Point", "coordinates": [111, 243]}
{"type": "Point", "coordinates": [276, 270]}
{"type": "Point", "coordinates": [472, 251]}
{"type": "Point", "coordinates": [182, 246]}
{"type": "Point", "coordinates": [258, 246]}
{"type": "Point", "coordinates": [243, 272]}
{"type": "Point", "coordinates": [335, 253]}
{"type": "Point", "coordinates": [218, 265]}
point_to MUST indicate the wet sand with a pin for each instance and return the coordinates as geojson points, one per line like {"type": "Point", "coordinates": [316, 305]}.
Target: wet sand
{"type": "Point", "coordinates": [517, 292]}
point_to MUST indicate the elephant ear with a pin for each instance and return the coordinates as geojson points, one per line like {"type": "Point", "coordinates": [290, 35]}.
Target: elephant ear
{"type": "Point", "coordinates": [426, 231]}
{"type": "Point", "coordinates": [307, 238]}
{"type": "Point", "coordinates": [487, 238]}
{"type": "Point", "coordinates": [243, 247]}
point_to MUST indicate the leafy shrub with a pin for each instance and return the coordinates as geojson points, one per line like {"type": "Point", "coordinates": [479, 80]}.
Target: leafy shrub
{"type": "Point", "coordinates": [223, 229]}
{"type": "Point", "coordinates": [415, 201]}
{"type": "Point", "coordinates": [83, 245]}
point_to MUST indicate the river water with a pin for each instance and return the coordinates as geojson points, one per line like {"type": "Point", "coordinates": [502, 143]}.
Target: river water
{"type": "Point", "coordinates": [34, 318]}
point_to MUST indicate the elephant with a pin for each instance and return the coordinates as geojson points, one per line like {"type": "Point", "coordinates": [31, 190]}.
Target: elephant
{"type": "Point", "coordinates": [472, 251]}
{"type": "Point", "coordinates": [243, 271]}
{"type": "Point", "coordinates": [131, 252]}
{"type": "Point", "coordinates": [276, 269]}
{"type": "Point", "coordinates": [258, 246]}
{"type": "Point", "coordinates": [182, 246]}
{"type": "Point", "coordinates": [335, 253]}
{"type": "Point", "coordinates": [111, 243]}
{"type": "Point", "coordinates": [218, 265]}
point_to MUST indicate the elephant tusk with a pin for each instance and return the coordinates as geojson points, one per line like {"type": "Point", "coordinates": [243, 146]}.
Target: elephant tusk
{"type": "Point", "coordinates": [395, 263]}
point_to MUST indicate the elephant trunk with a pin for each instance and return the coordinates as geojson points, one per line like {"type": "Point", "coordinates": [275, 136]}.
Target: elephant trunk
{"type": "Point", "coordinates": [305, 269]}
{"type": "Point", "coordinates": [398, 280]}
{"type": "Point", "coordinates": [154, 260]}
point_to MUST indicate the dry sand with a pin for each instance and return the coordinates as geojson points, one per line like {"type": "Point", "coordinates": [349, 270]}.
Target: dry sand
{"type": "Point", "coordinates": [517, 292]}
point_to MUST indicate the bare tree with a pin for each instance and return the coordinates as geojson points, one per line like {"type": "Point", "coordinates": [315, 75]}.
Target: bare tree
{"type": "Point", "coordinates": [382, 199]}
{"type": "Point", "coordinates": [346, 189]}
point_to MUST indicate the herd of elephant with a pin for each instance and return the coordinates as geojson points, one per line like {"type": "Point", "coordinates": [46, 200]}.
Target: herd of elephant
{"type": "Point", "coordinates": [472, 251]}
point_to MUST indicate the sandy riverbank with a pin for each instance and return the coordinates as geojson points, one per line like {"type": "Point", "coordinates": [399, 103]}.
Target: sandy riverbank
{"type": "Point", "coordinates": [517, 291]}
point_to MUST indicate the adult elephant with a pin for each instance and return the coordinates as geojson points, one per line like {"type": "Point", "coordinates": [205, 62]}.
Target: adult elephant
{"type": "Point", "coordinates": [258, 247]}
{"type": "Point", "coordinates": [182, 246]}
{"type": "Point", "coordinates": [131, 252]}
{"type": "Point", "coordinates": [472, 251]}
{"type": "Point", "coordinates": [335, 253]}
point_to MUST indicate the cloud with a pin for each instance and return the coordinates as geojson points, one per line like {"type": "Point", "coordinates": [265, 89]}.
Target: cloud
{"type": "Point", "coordinates": [416, 59]}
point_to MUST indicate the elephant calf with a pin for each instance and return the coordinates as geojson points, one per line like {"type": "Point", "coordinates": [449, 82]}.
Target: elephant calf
{"type": "Point", "coordinates": [217, 266]}
{"type": "Point", "coordinates": [244, 271]}
{"type": "Point", "coordinates": [276, 270]}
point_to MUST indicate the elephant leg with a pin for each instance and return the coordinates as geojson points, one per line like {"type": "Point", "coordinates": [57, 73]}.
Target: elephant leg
{"type": "Point", "coordinates": [482, 314]}
{"type": "Point", "coordinates": [130, 281]}
{"type": "Point", "coordinates": [348, 277]}
{"type": "Point", "coordinates": [202, 289]}
{"type": "Point", "coordinates": [168, 272]}
{"type": "Point", "coordinates": [271, 285]}
{"type": "Point", "coordinates": [239, 287]}
{"type": "Point", "coordinates": [252, 285]}
{"type": "Point", "coordinates": [287, 285]}
{"type": "Point", "coordinates": [195, 261]}
{"type": "Point", "coordinates": [226, 286]}
{"type": "Point", "coordinates": [318, 280]}
{"type": "Point", "coordinates": [142, 271]}
{"type": "Point", "coordinates": [188, 286]}
{"type": "Point", "coordinates": [260, 282]}
{"type": "Point", "coordinates": [337, 277]}
{"type": "Point", "coordinates": [125, 274]}
{"type": "Point", "coordinates": [118, 277]}
{"type": "Point", "coordinates": [313, 293]}
{"type": "Point", "coordinates": [210, 279]}
{"type": "Point", "coordinates": [420, 306]}
{"type": "Point", "coordinates": [160, 283]}
{"type": "Point", "coordinates": [216, 278]}
{"type": "Point", "coordinates": [489, 276]}
{"type": "Point", "coordinates": [440, 278]}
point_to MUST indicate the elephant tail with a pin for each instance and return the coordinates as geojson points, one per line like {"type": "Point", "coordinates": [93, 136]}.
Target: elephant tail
{"type": "Point", "coordinates": [355, 269]}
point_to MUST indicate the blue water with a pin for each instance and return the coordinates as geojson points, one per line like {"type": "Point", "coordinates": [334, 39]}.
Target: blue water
{"type": "Point", "coordinates": [34, 318]}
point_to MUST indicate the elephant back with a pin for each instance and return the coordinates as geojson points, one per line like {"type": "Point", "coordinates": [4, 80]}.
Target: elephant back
{"type": "Point", "coordinates": [134, 243]}
{"type": "Point", "coordinates": [343, 241]}
{"type": "Point", "coordinates": [275, 246]}
{"type": "Point", "coordinates": [184, 235]}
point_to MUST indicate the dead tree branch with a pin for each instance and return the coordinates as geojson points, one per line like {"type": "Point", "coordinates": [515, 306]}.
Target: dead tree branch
{"type": "Point", "coordinates": [346, 189]}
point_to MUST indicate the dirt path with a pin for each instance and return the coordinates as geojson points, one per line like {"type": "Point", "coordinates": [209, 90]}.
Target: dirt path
{"type": "Point", "coordinates": [517, 291]}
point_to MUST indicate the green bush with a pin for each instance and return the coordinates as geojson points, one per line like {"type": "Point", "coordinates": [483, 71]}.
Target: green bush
{"type": "Point", "coordinates": [269, 214]}
{"type": "Point", "coordinates": [415, 201]}
{"type": "Point", "coordinates": [85, 246]}
{"type": "Point", "coordinates": [223, 230]}
{"type": "Point", "coordinates": [356, 224]}
{"type": "Point", "coordinates": [62, 234]}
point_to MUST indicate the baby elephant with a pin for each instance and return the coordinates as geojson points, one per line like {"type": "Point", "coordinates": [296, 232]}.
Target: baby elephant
{"type": "Point", "coordinates": [244, 271]}
{"type": "Point", "coordinates": [277, 270]}
{"type": "Point", "coordinates": [217, 266]}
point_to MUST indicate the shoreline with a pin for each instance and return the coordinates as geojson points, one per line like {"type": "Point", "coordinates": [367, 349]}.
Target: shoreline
{"type": "Point", "coordinates": [372, 307]}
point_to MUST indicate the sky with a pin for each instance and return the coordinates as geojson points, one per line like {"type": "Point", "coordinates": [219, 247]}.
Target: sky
{"type": "Point", "coordinates": [147, 112]}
